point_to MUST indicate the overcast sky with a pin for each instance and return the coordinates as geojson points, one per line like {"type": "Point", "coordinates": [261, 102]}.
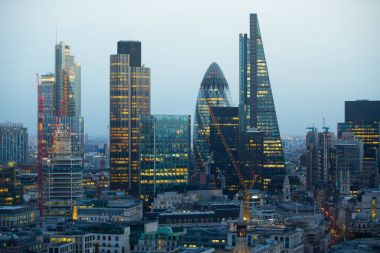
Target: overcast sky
{"type": "Point", "coordinates": [319, 53]}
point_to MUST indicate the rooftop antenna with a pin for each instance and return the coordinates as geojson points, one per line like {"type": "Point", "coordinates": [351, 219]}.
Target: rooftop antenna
{"type": "Point", "coordinates": [324, 125]}
{"type": "Point", "coordinates": [56, 33]}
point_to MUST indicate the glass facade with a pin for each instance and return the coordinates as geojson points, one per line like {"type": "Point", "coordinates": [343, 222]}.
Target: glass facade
{"type": "Point", "coordinates": [257, 109]}
{"type": "Point", "coordinates": [133, 49]}
{"type": "Point", "coordinates": [362, 119]}
{"type": "Point", "coordinates": [164, 153]}
{"type": "Point", "coordinates": [61, 95]}
{"type": "Point", "coordinates": [221, 168]}
{"type": "Point", "coordinates": [129, 99]}
{"type": "Point", "coordinates": [48, 93]}
{"type": "Point", "coordinates": [214, 92]}
{"type": "Point", "coordinates": [68, 82]}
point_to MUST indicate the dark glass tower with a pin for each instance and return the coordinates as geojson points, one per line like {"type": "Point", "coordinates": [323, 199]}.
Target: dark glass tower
{"type": "Point", "coordinates": [362, 119]}
{"type": "Point", "coordinates": [256, 105]}
{"type": "Point", "coordinates": [133, 49]}
{"type": "Point", "coordinates": [129, 99]}
{"type": "Point", "coordinates": [214, 92]}
{"type": "Point", "coordinates": [221, 167]}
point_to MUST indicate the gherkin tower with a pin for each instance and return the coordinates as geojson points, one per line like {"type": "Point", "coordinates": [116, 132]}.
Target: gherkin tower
{"type": "Point", "coordinates": [256, 104]}
{"type": "Point", "coordinates": [214, 92]}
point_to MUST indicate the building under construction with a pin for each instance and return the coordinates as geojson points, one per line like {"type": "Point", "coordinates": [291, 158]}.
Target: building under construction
{"type": "Point", "coordinates": [62, 176]}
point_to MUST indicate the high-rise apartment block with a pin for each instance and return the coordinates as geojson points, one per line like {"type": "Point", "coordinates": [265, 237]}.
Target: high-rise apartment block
{"type": "Point", "coordinates": [129, 99]}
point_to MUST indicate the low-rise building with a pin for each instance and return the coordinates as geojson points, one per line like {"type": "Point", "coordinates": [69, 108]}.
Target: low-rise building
{"type": "Point", "coordinates": [109, 237]}
{"type": "Point", "coordinates": [162, 240]}
{"type": "Point", "coordinates": [113, 210]}
{"type": "Point", "coordinates": [83, 242]}
{"type": "Point", "coordinates": [18, 216]}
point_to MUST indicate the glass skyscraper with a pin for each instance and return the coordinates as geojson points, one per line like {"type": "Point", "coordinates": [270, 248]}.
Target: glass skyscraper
{"type": "Point", "coordinates": [164, 153]}
{"type": "Point", "coordinates": [48, 93]}
{"type": "Point", "coordinates": [129, 99]}
{"type": "Point", "coordinates": [362, 119]}
{"type": "Point", "coordinates": [213, 92]}
{"type": "Point", "coordinates": [220, 165]}
{"type": "Point", "coordinates": [61, 93]}
{"type": "Point", "coordinates": [256, 105]}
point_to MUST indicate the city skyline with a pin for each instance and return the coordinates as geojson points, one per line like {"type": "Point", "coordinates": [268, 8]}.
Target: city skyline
{"type": "Point", "coordinates": [286, 41]}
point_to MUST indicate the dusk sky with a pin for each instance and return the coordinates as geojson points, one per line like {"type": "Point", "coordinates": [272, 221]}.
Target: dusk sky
{"type": "Point", "coordinates": [319, 53]}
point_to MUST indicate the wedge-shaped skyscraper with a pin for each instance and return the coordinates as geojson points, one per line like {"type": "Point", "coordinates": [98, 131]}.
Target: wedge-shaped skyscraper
{"type": "Point", "coordinates": [256, 105]}
{"type": "Point", "coordinates": [214, 92]}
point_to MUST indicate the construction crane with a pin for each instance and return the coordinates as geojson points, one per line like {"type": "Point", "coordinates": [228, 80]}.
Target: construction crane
{"type": "Point", "coordinates": [247, 187]}
{"type": "Point", "coordinates": [41, 145]}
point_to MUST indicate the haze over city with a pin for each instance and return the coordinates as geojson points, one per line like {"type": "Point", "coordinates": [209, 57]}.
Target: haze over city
{"type": "Point", "coordinates": [319, 53]}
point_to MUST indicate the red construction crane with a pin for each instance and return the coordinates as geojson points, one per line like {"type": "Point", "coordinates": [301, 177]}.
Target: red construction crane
{"type": "Point", "coordinates": [41, 145]}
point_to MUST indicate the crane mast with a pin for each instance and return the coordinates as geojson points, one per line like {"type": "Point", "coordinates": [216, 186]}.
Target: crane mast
{"type": "Point", "coordinates": [247, 188]}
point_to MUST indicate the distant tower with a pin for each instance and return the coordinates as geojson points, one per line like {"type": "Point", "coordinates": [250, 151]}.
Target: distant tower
{"type": "Point", "coordinates": [344, 186]}
{"type": "Point", "coordinates": [286, 189]}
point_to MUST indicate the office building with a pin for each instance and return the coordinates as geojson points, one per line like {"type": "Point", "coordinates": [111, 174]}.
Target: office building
{"type": "Point", "coordinates": [251, 158]}
{"type": "Point", "coordinates": [68, 82]}
{"type": "Point", "coordinates": [312, 160]}
{"type": "Point", "coordinates": [47, 92]}
{"type": "Point", "coordinates": [325, 143]}
{"type": "Point", "coordinates": [61, 96]}
{"type": "Point", "coordinates": [18, 216]}
{"type": "Point", "coordinates": [10, 186]}
{"type": "Point", "coordinates": [131, 48]}
{"type": "Point", "coordinates": [129, 99]}
{"type": "Point", "coordinates": [162, 240]}
{"type": "Point", "coordinates": [256, 104]}
{"type": "Point", "coordinates": [62, 177]}
{"type": "Point", "coordinates": [13, 143]}
{"type": "Point", "coordinates": [213, 92]}
{"type": "Point", "coordinates": [347, 157]}
{"type": "Point", "coordinates": [362, 119]}
{"type": "Point", "coordinates": [164, 153]}
{"type": "Point", "coordinates": [220, 166]}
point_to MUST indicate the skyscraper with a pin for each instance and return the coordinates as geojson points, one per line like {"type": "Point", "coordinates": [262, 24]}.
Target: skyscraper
{"type": "Point", "coordinates": [312, 160]}
{"type": "Point", "coordinates": [68, 82]}
{"type": "Point", "coordinates": [13, 143]}
{"type": "Point", "coordinates": [213, 92]}
{"type": "Point", "coordinates": [10, 186]}
{"type": "Point", "coordinates": [256, 105]}
{"type": "Point", "coordinates": [129, 99]}
{"type": "Point", "coordinates": [61, 93]}
{"type": "Point", "coordinates": [48, 93]}
{"type": "Point", "coordinates": [133, 49]}
{"type": "Point", "coordinates": [220, 165]}
{"type": "Point", "coordinates": [164, 153]}
{"type": "Point", "coordinates": [362, 119]}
